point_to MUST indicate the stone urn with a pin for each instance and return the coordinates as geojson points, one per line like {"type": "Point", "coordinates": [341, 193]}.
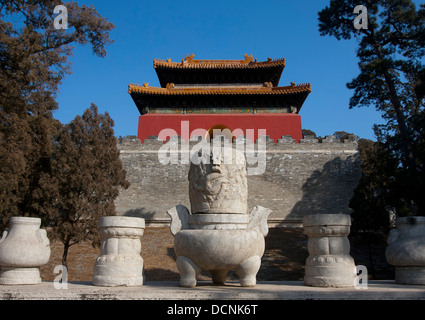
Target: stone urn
{"type": "Point", "coordinates": [406, 250]}
{"type": "Point", "coordinates": [24, 247]}
{"type": "Point", "coordinates": [119, 263]}
{"type": "Point", "coordinates": [329, 263]}
{"type": "Point", "coordinates": [219, 234]}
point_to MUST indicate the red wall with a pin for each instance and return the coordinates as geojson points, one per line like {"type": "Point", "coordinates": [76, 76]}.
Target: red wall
{"type": "Point", "coordinates": [275, 124]}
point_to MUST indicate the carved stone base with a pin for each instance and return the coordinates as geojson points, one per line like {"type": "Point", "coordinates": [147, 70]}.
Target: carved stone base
{"type": "Point", "coordinates": [120, 263]}
{"type": "Point", "coordinates": [330, 271]}
{"type": "Point", "coordinates": [219, 251]}
{"type": "Point", "coordinates": [112, 271]}
{"type": "Point", "coordinates": [410, 275]}
{"type": "Point", "coordinates": [19, 276]}
{"type": "Point", "coordinates": [406, 250]}
{"type": "Point", "coordinates": [24, 247]}
{"type": "Point", "coordinates": [329, 263]}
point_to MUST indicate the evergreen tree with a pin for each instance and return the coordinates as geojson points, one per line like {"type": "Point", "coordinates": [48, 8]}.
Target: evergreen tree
{"type": "Point", "coordinates": [391, 78]}
{"type": "Point", "coordinates": [33, 61]}
{"type": "Point", "coordinates": [342, 135]}
{"type": "Point", "coordinates": [88, 175]}
{"type": "Point", "coordinates": [308, 132]}
{"type": "Point", "coordinates": [374, 197]}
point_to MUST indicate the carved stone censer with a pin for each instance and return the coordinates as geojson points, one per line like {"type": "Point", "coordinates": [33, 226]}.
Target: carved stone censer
{"type": "Point", "coordinates": [218, 234]}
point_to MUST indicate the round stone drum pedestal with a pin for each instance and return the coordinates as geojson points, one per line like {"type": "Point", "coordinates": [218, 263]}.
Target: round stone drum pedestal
{"type": "Point", "coordinates": [406, 250]}
{"type": "Point", "coordinates": [329, 263]}
{"type": "Point", "coordinates": [24, 247]}
{"type": "Point", "coordinates": [120, 263]}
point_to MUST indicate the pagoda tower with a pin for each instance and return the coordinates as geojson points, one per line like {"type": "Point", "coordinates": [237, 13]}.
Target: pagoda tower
{"type": "Point", "coordinates": [220, 94]}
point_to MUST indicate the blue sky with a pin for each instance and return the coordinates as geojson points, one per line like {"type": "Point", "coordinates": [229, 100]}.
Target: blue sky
{"type": "Point", "coordinates": [145, 30]}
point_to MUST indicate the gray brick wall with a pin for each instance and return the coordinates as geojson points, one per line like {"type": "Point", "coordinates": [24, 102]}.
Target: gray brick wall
{"type": "Point", "coordinates": [300, 178]}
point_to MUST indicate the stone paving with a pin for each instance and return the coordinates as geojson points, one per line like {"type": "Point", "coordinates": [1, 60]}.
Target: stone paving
{"type": "Point", "coordinates": [171, 290]}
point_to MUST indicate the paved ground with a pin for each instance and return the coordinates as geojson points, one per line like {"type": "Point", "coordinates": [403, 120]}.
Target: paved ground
{"type": "Point", "coordinates": [170, 290]}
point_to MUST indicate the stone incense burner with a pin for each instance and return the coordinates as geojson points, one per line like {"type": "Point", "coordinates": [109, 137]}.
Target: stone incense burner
{"type": "Point", "coordinates": [219, 234]}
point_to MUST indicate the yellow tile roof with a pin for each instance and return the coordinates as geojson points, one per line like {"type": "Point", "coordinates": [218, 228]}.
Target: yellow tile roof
{"type": "Point", "coordinates": [190, 63]}
{"type": "Point", "coordinates": [171, 90]}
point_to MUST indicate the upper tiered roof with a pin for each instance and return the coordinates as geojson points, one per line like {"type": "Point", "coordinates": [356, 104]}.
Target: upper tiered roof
{"type": "Point", "coordinates": [192, 71]}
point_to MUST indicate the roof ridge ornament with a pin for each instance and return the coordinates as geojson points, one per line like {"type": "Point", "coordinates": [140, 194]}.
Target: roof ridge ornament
{"type": "Point", "coordinates": [249, 58]}
{"type": "Point", "coordinates": [189, 58]}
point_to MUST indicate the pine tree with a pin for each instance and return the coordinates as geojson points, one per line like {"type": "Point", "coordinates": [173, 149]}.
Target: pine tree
{"type": "Point", "coordinates": [375, 192]}
{"type": "Point", "coordinates": [390, 51]}
{"type": "Point", "coordinates": [89, 176]}
{"type": "Point", "coordinates": [33, 61]}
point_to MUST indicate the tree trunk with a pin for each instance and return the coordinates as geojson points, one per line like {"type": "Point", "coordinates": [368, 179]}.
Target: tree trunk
{"type": "Point", "coordinates": [65, 254]}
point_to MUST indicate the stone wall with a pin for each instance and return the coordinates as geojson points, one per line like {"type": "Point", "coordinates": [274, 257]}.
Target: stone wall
{"type": "Point", "coordinates": [299, 178]}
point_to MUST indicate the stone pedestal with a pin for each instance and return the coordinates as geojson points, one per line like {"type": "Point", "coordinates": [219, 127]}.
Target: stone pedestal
{"type": "Point", "coordinates": [120, 263]}
{"type": "Point", "coordinates": [24, 247]}
{"type": "Point", "coordinates": [406, 250]}
{"type": "Point", "coordinates": [329, 263]}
